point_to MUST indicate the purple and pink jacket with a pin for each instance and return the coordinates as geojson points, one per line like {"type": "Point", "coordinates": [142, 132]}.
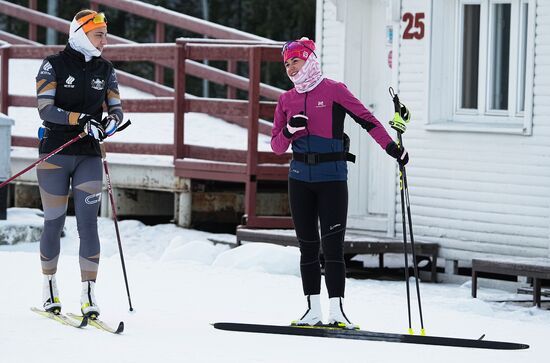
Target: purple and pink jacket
{"type": "Point", "coordinates": [326, 107]}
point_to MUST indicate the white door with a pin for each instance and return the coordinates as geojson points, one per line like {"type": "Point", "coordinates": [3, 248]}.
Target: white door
{"type": "Point", "coordinates": [369, 75]}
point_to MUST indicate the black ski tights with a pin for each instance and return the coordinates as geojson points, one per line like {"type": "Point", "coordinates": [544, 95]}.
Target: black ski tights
{"type": "Point", "coordinates": [327, 203]}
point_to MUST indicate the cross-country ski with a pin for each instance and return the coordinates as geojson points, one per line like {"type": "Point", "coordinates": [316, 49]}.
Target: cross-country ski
{"type": "Point", "coordinates": [368, 335]}
{"type": "Point", "coordinates": [61, 318]}
{"type": "Point", "coordinates": [98, 323]}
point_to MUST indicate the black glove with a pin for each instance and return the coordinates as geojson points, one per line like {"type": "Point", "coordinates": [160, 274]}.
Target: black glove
{"type": "Point", "coordinates": [91, 126]}
{"type": "Point", "coordinates": [83, 119]}
{"type": "Point", "coordinates": [398, 153]}
{"type": "Point", "coordinates": [296, 123]}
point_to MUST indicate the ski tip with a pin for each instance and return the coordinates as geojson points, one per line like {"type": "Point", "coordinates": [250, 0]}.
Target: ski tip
{"type": "Point", "coordinates": [120, 328]}
{"type": "Point", "coordinates": [219, 325]}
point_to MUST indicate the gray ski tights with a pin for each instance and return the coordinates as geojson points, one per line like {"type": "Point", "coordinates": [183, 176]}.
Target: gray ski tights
{"type": "Point", "coordinates": [84, 175]}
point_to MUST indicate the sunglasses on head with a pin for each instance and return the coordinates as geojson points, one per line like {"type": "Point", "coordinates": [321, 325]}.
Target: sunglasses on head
{"type": "Point", "coordinates": [288, 45]}
{"type": "Point", "coordinates": [97, 19]}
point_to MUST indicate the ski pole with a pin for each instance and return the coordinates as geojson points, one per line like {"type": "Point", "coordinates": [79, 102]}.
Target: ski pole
{"type": "Point", "coordinates": [113, 208]}
{"type": "Point", "coordinates": [415, 264]}
{"type": "Point", "coordinates": [44, 158]}
{"type": "Point", "coordinates": [402, 116]}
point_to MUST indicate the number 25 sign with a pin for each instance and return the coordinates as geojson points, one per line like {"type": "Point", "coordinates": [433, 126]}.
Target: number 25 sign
{"type": "Point", "coordinates": [415, 25]}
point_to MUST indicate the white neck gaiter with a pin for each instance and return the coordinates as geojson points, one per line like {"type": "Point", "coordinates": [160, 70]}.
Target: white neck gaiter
{"type": "Point", "coordinates": [309, 76]}
{"type": "Point", "coordinates": [80, 42]}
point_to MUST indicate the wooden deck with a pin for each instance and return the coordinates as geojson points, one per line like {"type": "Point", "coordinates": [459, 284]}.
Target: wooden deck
{"type": "Point", "coordinates": [536, 268]}
{"type": "Point", "coordinates": [354, 244]}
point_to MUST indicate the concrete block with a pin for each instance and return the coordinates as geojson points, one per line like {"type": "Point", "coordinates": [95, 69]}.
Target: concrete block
{"type": "Point", "coordinates": [182, 209]}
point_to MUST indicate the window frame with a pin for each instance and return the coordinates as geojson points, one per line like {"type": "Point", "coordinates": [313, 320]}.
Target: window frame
{"type": "Point", "coordinates": [483, 119]}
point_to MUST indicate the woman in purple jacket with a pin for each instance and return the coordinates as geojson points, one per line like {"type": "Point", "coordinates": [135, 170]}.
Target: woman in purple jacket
{"type": "Point", "coordinates": [311, 117]}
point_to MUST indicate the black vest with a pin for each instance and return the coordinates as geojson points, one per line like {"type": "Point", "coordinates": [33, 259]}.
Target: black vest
{"type": "Point", "coordinates": [81, 87]}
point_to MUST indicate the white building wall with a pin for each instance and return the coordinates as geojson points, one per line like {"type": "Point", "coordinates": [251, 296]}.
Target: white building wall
{"type": "Point", "coordinates": [541, 102]}
{"type": "Point", "coordinates": [477, 193]}
{"type": "Point", "coordinates": [474, 193]}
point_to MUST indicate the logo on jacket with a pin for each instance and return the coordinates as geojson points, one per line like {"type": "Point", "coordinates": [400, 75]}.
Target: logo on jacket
{"type": "Point", "coordinates": [69, 82]}
{"type": "Point", "coordinates": [98, 84]}
{"type": "Point", "coordinates": [320, 104]}
{"type": "Point", "coordinates": [47, 67]}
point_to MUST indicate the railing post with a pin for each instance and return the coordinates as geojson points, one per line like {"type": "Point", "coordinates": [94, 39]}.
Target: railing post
{"type": "Point", "coordinates": [4, 76]}
{"type": "Point", "coordinates": [254, 62]}
{"type": "Point", "coordinates": [159, 38]}
{"type": "Point", "coordinates": [232, 68]}
{"type": "Point", "coordinates": [32, 27]}
{"type": "Point", "coordinates": [179, 100]}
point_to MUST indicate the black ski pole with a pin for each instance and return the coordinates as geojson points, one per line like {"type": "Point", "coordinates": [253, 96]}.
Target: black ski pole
{"type": "Point", "coordinates": [113, 208]}
{"type": "Point", "coordinates": [415, 264]}
{"type": "Point", "coordinates": [402, 116]}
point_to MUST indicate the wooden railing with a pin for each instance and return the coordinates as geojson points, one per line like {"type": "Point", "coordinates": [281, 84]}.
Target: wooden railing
{"type": "Point", "coordinates": [196, 69]}
{"type": "Point", "coordinates": [248, 166]}
{"type": "Point", "coordinates": [163, 17]}
{"type": "Point", "coordinates": [191, 161]}
{"type": "Point", "coordinates": [115, 52]}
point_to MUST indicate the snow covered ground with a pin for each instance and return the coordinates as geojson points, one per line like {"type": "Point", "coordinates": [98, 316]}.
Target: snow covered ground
{"type": "Point", "coordinates": [180, 283]}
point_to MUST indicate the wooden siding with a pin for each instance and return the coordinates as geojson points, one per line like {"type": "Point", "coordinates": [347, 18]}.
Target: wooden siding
{"type": "Point", "coordinates": [477, 193]}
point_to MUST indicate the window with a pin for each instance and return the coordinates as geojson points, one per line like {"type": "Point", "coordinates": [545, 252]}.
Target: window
{"type": "Point", "coordinates": [499, 61]}
{"type": "Point", "coordinates": [522, 57]}
{"type": "Point", "coordinates": [492, 66]}
{"type": "Point", "coordinates": [470, 57]}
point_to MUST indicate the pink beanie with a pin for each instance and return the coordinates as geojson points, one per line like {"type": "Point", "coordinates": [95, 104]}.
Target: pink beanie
{"type": "Point", "coordinates": [301, 48]}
